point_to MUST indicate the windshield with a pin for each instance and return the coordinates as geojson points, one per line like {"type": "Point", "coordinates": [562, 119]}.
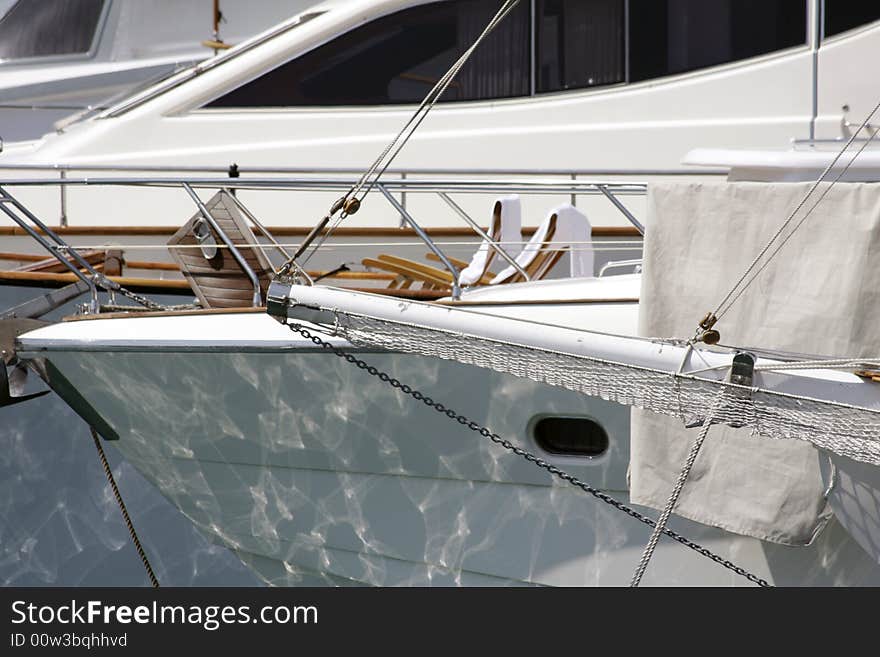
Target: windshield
{"type": "Point", "coordinates": [43, 28]}
{"type": "Point", "coordinates": [173, 81]}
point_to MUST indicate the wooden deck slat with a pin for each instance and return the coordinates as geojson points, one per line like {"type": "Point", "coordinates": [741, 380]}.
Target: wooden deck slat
{"type": "Point", "coordinates": [221, 282]}
{"type": "Point", "coordinates": [125, 281]}
{"type": "Point", "coordinates": [379, 232]}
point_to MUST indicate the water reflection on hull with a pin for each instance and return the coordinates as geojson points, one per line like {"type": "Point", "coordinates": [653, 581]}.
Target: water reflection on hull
{"type": "Point", "coordinates": [316, 473]}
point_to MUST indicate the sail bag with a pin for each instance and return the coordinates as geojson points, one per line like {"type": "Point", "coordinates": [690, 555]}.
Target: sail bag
{"type": "Point", "coordinates": [819, 295]}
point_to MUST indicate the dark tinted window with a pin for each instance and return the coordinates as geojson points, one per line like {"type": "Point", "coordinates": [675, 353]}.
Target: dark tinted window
{"type": "Point", "coordinates": [398, 58]}
{"type": "Point", "coordinates": [841, 15]}
{"type": "Point", "coordinates": [579, 43]}
{"type": "Point", "coordinates": [571, 436]}
{"type": "Point", "coordinates": [674, 36]}
{"type": "Point", "coordinates": [37, 28]}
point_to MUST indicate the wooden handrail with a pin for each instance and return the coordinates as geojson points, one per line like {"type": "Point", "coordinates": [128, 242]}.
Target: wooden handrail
{"type": "Point", "coordinates": [301, 231]}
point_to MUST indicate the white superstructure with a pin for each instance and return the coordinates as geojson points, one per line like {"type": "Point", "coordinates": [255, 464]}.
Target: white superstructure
{"type": "Point", "coordinates": [613, 85]}
{"type": "Point", "coordinates": [313, 470]}
{"type": "Point", "coordinates": [63, 57]}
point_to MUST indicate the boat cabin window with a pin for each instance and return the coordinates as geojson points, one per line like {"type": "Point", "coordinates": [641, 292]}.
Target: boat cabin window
{"type": "Point", "coordinates": [570, 436]}
{"type": "Point", "coordinates": [579, 43]}
{"type": "Point", "coordinates": [575, 44]}
{"type": "Point", "coordinates": [675, 36]}
{"type": "Point", "coordinates": [49, 27]}
{"type": "Point", "coordinates": [398, 58]}
{"type": "Point", "coordinates": [843, 15]}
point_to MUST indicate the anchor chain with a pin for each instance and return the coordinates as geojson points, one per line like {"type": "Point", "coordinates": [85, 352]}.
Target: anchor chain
{"type": "Point", "coordinates": [113, 287]}
{"type": "Point", "coordinates": [142, 300]}
{"type": "Point", "coordinates": [528, 456]}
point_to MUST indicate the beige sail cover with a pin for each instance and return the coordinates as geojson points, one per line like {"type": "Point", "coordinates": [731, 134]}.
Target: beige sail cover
{"type": "Point", "coordinates": [820, 295]}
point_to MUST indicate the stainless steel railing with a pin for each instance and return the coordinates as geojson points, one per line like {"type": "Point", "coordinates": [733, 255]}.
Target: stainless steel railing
{"type": "Point", "coordinates": [443, 187]}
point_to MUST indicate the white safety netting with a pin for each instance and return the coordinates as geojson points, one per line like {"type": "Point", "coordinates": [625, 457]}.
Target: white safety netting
{"type": "Point", "coordinates": [850, 431]}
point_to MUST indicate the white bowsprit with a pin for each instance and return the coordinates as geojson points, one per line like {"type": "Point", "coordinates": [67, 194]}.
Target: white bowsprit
{"type": "Point", "coordinates": [833, 409]}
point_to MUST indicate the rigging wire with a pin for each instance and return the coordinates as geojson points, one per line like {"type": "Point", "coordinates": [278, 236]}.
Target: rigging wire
{"type": "Point", "coordinates": [749, 275]}
{"type": "Point", "coordinates": [350, 202]}
{"type": "Point", "coordinates": [722, 311]}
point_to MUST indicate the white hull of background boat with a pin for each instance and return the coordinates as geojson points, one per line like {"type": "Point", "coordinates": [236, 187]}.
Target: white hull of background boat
{"type": "Point", "coordinates": [123, 51]}
{"type": "Point", "coordinates": [315, 472]}
{"type": "Point", "coordinates": [632, 127]}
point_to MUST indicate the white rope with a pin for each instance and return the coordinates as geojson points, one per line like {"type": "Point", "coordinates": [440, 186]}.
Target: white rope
{"type": "Point", "coordinates": [830, 364]}
{"type": "Point", "coordinates": [662, 521]}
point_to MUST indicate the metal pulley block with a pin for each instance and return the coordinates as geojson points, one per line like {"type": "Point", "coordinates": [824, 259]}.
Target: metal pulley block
{"type": "Point", "coordinates": [709, 335]}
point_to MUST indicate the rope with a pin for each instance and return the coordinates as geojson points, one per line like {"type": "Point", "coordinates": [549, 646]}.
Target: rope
{"type": "Point", "coordinates": [660, 527]}
{"type": "Point", "coordinates": [128, 523]}
{"type": "Point", "coordinates": [873, 361]}
{"type": "Point", "coordinates": [742, 284]}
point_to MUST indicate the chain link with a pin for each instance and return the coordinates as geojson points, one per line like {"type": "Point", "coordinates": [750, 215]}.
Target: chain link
{"type": "Point", "coordinates": [113, 287]}
{"type": "Point", "coordinates": [528, 456]}
{"type": "Point", "coordinates": [142, 300]}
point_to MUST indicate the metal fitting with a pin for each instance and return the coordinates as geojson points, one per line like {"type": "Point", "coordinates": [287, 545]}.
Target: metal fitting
{"type": "Point", "coordinates": [351, 206]}
{"type": "Point", "coordinates": [710, 337]}
{"type": "Point", "coordinates": [708, 321]}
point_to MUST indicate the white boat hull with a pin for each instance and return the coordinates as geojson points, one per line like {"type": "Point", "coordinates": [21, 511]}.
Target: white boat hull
{"type": "Point", "coordinates": [854, 495]}
{"type": "Point", "coordinates": [315, 472]}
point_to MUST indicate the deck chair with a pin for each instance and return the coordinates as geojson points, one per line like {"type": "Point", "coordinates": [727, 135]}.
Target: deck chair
{"type": "Point", "coordinates": [565, 229]}
{"type": "Point", "coordinates": [505, 229]}
{"type": "Point", "coordinates": [409, 272]}
{"type": "Point", "coordinates": [213, 273]}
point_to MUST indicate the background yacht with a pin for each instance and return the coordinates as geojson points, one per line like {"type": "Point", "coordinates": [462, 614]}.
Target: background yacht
{"type": "Point", "coordinates": [562, 89]}
{"type": "Point", "coordinates": [62, 57]}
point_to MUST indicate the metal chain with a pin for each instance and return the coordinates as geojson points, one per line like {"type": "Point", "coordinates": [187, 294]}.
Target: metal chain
{"type": "Point", "coordinates": [528, 456]}
{"type": "Point", "coordinates": [144, 301]}
{"type": "Point", "coordinates": [111, 286]}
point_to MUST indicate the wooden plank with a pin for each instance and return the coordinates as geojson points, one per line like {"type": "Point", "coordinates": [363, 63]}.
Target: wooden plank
{"type": "Point", "coordinates": [215, 283]}
{"type": "Point", "coordinates": [221, 282]}
{"type": "Point", "coordinates": [461, 264]}
{"type": "Point", "coordinates": [52, 264]}
{"type": "Point", "coordinates": [21, 257]}
{"type": "Point", "coordinates": [170, 266]}
{"type": "Point", "coordinates": [125, 281]}
{"type": "Point", "coordinates": [433, 274]}
{"type": "Point", "coordinates": [379, 232]}
{"type": "Point", "coordinates": [409, 272]}
{"type": "Point", "coordinates": [151, 266]}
